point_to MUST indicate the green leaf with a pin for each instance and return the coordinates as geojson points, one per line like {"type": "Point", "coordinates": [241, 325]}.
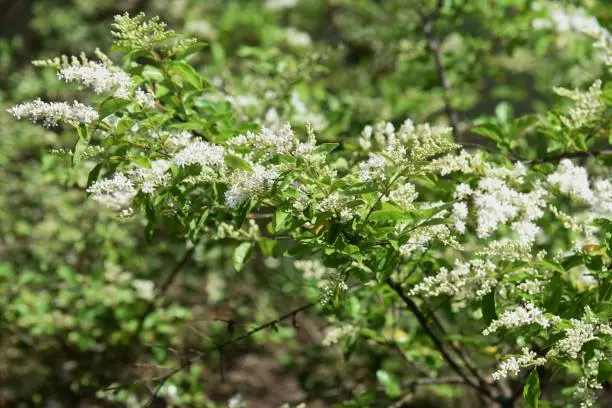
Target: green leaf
{"type": "Point", "coordinates": [124, 125]}
{"type": "Point", "coordinates": [152, 74]}
{"type": "Point", "coordinates": [604, 310]}
{"type": "Point", "coordinates": [503, 111]}
{"type": "Point", "coordinates": [192, 49]}
{"type": "Point", "coordinates": [389, 215]}
{"type": "Point", "coordinates": [572, 261]}
{"type": "Point", "coordinates": [143, 161]}
{"type": "Point", "coordinates": [267, 246]}
{"type": "Point", "coordinates": [392, 387]}
{"type": "Point", "coordinates": [82, 131]}
{"type": "Point", "coordinates": [278, 220]}
{"type": "Point", "coordinates": [79, 150]}
{"type": "Point", "coordinates": [489, 130]}
{"type": "Point", "coordinates": [218, 54]}
{"type": "Point", "coordinates": [236, 162]}
{"type": "Point", "coordinates": [333, 232]}
{"type": "Point", "coordinates": [531, 390]}
{"type": "Point", "coordinates": [555, 291]}
{"type": "Point", "coordinates": [187, 72]}
{"type": "Point", "coordinates": [488, 307]}
{"type": "Point", "coordinates": [607, 95]}
{"type": "Point", "coordinates": [348, 346]}
{"type": "Point", "coordinates": [112, 105]}
{"type": "Point", "coordinates": [94, 173]}
{"type": "Point", "coordinates": [242, 253]}
{"type": "Point", "coordinates": [326, 147]}
{"type": "Point", "coordinates": [552, 265]}
{"type": "Point", "coordinates": [196, 224]}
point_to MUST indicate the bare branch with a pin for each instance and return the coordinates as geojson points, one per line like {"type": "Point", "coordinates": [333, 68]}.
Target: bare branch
{"type": "Point", "coordinates": [433, 43]}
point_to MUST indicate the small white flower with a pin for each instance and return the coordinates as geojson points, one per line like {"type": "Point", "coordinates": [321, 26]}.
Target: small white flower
{"type": "Point", "coordinates": [205, 154]}
{"type": "Point", "coordinates": [99, 77]}
{"type": "Point", "coordinates": [373, 169]}
{"type": "Point", "coordinates": [144, 98]}
{"type": "Point", "coordinates": [459, 215]}
{"type": "Point", "coordinates": [116, 193]}
{"type": "Point", "coordinates": [53, 112]}
{"type": "Point", "coordinates": [245, 184]}
{"type": "Point", "coordinates": [588, 105]}
{"type": "Point", "coordinates": [470, 280]}
{"type": "Point", "coordinates": [403, 195]}
{"type": "Point", "coordinates": [336, 333]}
{"type": "Point", "coordinates": [521, 316]}
{"type": "Point", "coordinates": [421, 238]}
{"type": "Point", "coordinates": [512, 365]}
{"type": "Point", "coordinates": [145, 289]}
{"type": "Point", "coordinates": [572, 180]}
{"type": "Point", "coordinates": [462, 191]}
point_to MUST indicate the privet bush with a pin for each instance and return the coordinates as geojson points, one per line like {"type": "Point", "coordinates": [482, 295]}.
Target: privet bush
{"type": "Point", "coordinates": [486, 266]}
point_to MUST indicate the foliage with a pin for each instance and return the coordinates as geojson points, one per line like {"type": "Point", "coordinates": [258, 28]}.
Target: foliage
{"type": "Point", "coordinates": [270, 174]}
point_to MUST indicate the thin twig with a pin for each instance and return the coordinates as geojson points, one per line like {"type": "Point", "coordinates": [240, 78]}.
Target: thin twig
{"type": "Point", "coordinates": [481, 388]}
{"type": "Point", "coordinates": [188, 362]}
{"type": "Point", "coordinates": [162, 288]}
{"type": "Point", "coordinates": [433, 43]}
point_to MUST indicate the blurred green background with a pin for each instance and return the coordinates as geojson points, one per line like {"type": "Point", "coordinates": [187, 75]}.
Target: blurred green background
{"type": "Point", "coordinates": [74, 279]}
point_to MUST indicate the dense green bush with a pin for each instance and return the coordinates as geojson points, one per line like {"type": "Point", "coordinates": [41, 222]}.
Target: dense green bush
{"type": "Point", "coordinates": [254, 209]}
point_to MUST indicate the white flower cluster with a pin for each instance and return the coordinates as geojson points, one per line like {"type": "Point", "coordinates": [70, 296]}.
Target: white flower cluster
{"type": "Point", "coordinates": [116, 193]}
{"type": "Point", "coordinates": [224, 230]}
{"type": "Point", "coordinates": [99, 77]}
{"type": "Point", "coordinates": [303, 114]}
{"type": "Point", "coordinates": [403, 195]}
{"type": "Point", "coordinates": [175, 140]}
{"type": "Point", "coordinates": [532, 286]}
{"type": "Point", "coordinates": [409, 143]}
{"type": "Point", "coordinates": [144, 98]}
{"type": "Point", "coordinates": [588, 385]}
{"type": "Point", "coordinates": [588, 105]}
{"type": "Point", "coordinates": [145, 289]}
{"type": "Point", "coordinates": [572, 180]}
{"type": "Point", "coordinates": [512, 365]}
{"type": "Point", "coordinates": [581, 332]}
{"type": "Point", "coordinates": [511, 250]}
{"type": "Point", "coordinates": [373, 169]}
{"type": "Point", "coordinates": [421, 238]}
{"type": "Point", "coordinates": [51, 113]}
{"type": "Point", "coordinates": [564, 20]}
{"type": "Point", "coordinates": [312, 269]}
{"type": "Point", "coordinates": [602, 202]}
{"type": "Point", "coordinates": [604, 43]}
{"type": "Point", "coordinates": [467, 280]}
{"type": "Point", "coordinates": [272, 142]}
{"type": "Point", "coordinates": [327, 279]}
{"type": "Point", "coordinates": [246, 184]}
{"type": "Point", "coordinates": [459, 215]}
{"type": "Point", "coordinates": [462, 191]}
{"type": "Point", "coordinates": [281, 142]}
{"type": "Point", "coordinates": [295, 37]}
{"type": "Point", "coordinates": [202, 153]}
{"type": "Point", "coordinates": [280, 4]}
{"type": "Point", "coordinates": [464, 162]}
{"type": "Point", "coordinates": [427, 141]}
{"type": "Point", "coordinates": [151, 178]}
{"type": "Point", "coordinates": [522, 316]}
{"type": "Point", "coordinates": [336, 333]}
{"type": "Point", "coordinates": [336, 204]}
{"type": "Point", "coordinates": [496, 204]}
